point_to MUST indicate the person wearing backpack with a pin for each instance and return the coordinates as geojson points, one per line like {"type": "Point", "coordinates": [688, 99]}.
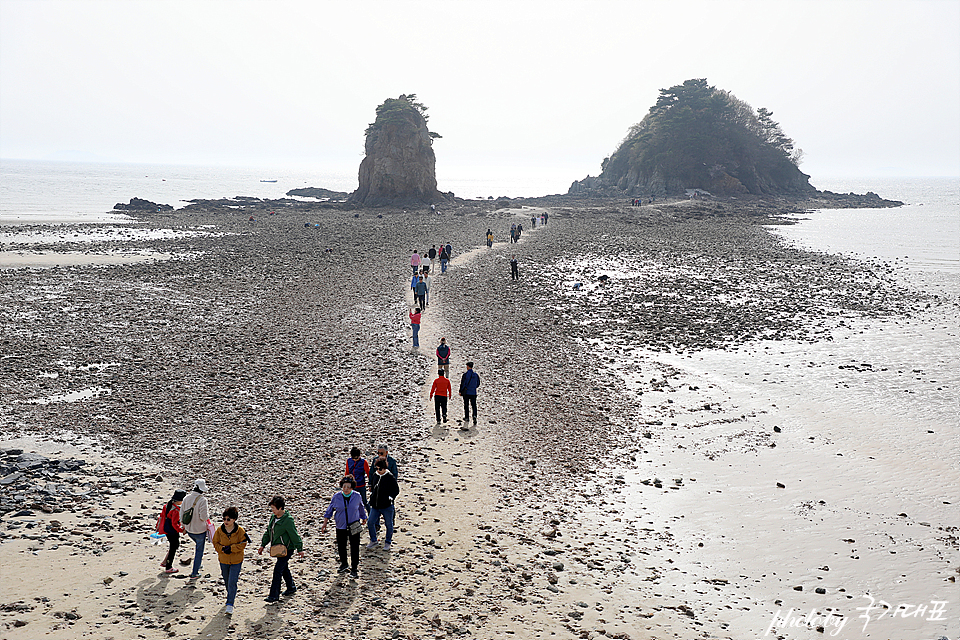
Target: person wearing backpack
{"type": "Point", "coordinates": [170, 526]}
{"type": "Point", "coordinates": [194, 513]}
{"type": "Point", "coordinates": [381, 501]}
{"type": "Point", "coordinates": [359, 469]}
{"type": "Point", "coordinates": [281, 532]}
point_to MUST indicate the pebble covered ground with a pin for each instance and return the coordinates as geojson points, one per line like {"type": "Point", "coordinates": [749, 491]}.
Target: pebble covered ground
{"type": "Point", "coordinates": [263, 350]}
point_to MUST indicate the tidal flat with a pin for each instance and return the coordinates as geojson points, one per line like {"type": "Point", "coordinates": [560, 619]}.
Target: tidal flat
{"type": "Point", "coordinates": [624, 478]}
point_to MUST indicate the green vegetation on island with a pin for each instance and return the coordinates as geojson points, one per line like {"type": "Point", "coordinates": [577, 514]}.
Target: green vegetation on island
{"type": "Point", "coordinates": [699, 137]}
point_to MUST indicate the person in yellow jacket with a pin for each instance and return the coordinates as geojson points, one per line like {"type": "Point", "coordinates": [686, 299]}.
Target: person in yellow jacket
{"type": "Point", "coordinates": [230, 540]}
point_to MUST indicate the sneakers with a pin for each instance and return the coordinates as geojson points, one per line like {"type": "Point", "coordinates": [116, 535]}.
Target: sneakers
{"type": "Point", "coordinates": [229, 611]}
{"type": "Point", "coordinates": [290, 592]}
{"type": "Point", "coordinates": [343, 569]}
{"type": "Point", "coordinates": [372, 544]}
{"type": "Point", "coordinates": [171, 570]}
{"type": "Point", "coordinates": [194, 576]}
{"type": "Point", "coordinates": [386, 546]}
{"type": "Point", "coordinates": [272, 600]}
{"type": "Point", "coordinates": [353, 574]}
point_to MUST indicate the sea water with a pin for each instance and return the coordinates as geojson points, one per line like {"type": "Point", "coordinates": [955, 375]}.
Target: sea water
{"type": "Point", "coordinates": [36, 192]}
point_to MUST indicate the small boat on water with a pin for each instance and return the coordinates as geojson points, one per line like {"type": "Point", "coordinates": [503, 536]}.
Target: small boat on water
{"type": "Point", "coordinates": [268, 181]}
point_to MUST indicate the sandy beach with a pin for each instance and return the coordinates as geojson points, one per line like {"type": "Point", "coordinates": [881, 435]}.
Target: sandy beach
{"type": "Point", "coordinates": [690, 449]}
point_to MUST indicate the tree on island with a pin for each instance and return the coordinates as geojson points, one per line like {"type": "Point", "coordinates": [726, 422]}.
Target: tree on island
{"type": "Point", "coordinates": [399, 166]}
{"type": "Point", "coordinates": [699, 137]}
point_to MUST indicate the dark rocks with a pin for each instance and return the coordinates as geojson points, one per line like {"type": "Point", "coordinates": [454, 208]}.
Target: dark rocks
{"type": "Point", "coordinates": [138, 204]}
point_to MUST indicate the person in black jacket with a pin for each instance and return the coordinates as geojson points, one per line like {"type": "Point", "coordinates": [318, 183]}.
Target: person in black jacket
{"type": "Point", "coordinates": [381, 504]}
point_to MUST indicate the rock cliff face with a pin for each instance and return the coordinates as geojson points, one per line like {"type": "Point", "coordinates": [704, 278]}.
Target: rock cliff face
{"type": "Point", "coordinates": [400, 166]}
{"type": "Point", "coordinates": [699, 137]}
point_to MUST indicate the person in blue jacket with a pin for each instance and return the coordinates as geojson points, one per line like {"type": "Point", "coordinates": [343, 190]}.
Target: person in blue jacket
{"type": "Point", "coordinates": [469, 383]}
{"type": "Point", "coordinates": [349, 509]}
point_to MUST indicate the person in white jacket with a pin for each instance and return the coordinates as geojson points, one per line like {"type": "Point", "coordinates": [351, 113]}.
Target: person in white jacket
{"type": "Point", "coordinates": [195, 504]}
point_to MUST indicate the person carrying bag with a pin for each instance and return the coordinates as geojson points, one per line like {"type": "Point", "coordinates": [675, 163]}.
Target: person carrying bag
{"type": "Point", "coordinates": [351, 515]}
{"type": "Point", "coordinates": [282, 537]}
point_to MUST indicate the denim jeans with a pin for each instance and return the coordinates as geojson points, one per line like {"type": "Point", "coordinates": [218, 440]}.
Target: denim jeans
{"type": "Point", "coordinates": [387, 513]}
{"type": "Point", "coordinates": [443, 266]}
{"type": "Point", "coordinates": [416, 338]}
{"type": "Point", "coordinates": [231, 575]}
{"type": "Point", "coordinates": [200, 539]}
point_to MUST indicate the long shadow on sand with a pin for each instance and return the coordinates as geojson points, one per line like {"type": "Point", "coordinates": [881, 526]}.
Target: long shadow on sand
{"type": "Point", "coordinates": [166, 599]}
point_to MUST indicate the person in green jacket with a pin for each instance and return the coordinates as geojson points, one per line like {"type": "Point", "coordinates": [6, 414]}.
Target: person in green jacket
{"type": "Point", "coordinates": [281, 530]}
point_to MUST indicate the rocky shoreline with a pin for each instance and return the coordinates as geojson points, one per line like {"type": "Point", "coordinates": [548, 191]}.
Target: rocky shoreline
{"type": "Point", "coordinates": [260, 354]}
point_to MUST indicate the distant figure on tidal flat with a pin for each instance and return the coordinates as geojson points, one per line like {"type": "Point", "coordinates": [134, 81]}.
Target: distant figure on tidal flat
{"type": "Point", "coordinates": [415, 262]}
{"type": "Point", "coordinates": [489, 238]}
{"type": "Point", "coordinates": [444, 259]}
{"type": "Point", "coordinates": [443, 356]}
{"type": "Point", "coordinates": [432, 253]}
{"type": "Point", "coordinates": [513, 233]}
{"type": "Point", "coordinates": [420, 292]}
{"type": "Point", "coordinates": [469, 383]}
{"type": "Point", "coordinates": [415, 325]}
{"type": "Point", "coordinates": [425, 263]}
{"type": "Point", "coordinates": [439, 393]}
{"type": "Point", "coordinates": [427, 280]}
{"type": "Point", "coordinates": [449, 251]}
{"type": "Point", "coordinates": [514, 268]}
{"type": "Point", "coordinates": [533, 222]}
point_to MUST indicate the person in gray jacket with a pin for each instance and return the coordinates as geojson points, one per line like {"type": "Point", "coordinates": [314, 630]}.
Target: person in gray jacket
{"type": "Point", "coordinates": [194, 513]}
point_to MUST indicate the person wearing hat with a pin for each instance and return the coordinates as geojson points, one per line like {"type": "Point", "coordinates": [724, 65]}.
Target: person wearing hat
{"type": "Point", "coordinates": [195, 504]}
{"type": "Point", "coordinates": [171, 527]}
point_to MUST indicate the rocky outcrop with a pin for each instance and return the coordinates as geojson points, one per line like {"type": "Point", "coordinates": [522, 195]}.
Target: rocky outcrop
{"type": "Point", "coordinates": [319, 193]}
{"type": "Point", "coordinates": [137, 204]}
{"type": "Point", "coordinates": [699, 137]}
{"type": "Point", "coordinates": [400, 166]}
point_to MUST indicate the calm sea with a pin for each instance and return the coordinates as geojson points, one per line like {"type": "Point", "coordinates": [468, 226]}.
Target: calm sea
{"type": "Point", "coordinates": [57, 192]}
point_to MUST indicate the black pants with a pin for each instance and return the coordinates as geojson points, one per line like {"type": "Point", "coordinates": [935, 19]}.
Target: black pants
{"type": "Point", "coordinates": [174, 538]}
{"type": "Point", "coordinates": [469, 401]}
{"type": "Point", "coordinates": [440, 405]}
{"type": "Point", "coordinates": [342, 535]}
{"type": "Point", "coordinates": [515, 272]}
{"type": "Point", "coordinates": [281, 572]}
{"type": "Point", "coordinates": [420, 300]}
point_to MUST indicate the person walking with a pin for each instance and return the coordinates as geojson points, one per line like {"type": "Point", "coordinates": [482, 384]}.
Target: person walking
{"type": "Point", "coordinates": [359, 469]}
{"type": "Point", "coordinates": [489, 238]}
{"type": "Point", "coordinates": [230, 540]}
{"type": "Point", "coordinates": [427, 280]}
{"type": "Point", "coordinates": [382, 504]}
{"type": "Point", "coordinates": [415, 324]}
{"type": "Point", "coordinates": [513, 233]}
{"type": "Point", "coordinates": [432, 252]}
{"type": "Point", "coordinates": [383, 454]}
{"type": "Point", "coordinates": [171, 527]}
{"type": "Point", "coordinates": [284, 541]}
{"type": "Point", "coordinates": [469, 383]}
{"type": "Point", "coordinates": [449, 251]}
{"type": "Point", "coordinates": [349, 517]}
{"type": "Point", "coordinates": [415, 262]}
{"type": "Point", "coordinates": [443, 356]}
{"type": "Point", "coordinates": [420, 292]}
{"type": "Point", "coordinates": [425, 264]}
{"type": "Point", "coordinates": [514, 268]}
{"type": "Point", "coordinates": [194, 513]}
{"type": "Point", "coordinates": [439, 393]}
{"type": "Point", "coordinates": [533, 222]}
{"type": "Point", "coordinates": [444, 259]}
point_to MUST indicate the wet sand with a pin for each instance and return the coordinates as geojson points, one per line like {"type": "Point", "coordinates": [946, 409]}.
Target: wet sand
{"type": "Point", "coordinates": [256, 359]}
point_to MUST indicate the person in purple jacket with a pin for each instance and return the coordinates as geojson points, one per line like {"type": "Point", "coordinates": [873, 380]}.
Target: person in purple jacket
{"type": "Point", "coordinates": [349, 509]}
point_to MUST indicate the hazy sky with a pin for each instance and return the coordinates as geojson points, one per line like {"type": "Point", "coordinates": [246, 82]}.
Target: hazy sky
{"type": "Point", "coordinates": [525, 87]}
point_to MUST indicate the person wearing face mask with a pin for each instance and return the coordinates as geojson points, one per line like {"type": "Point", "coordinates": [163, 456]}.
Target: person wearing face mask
{"type": "Point", "coordinates": [381, 504]}
{"type": "Point", "coordinates": [349, 520]}
{"type": "Point", "coordinates": [230, 540]}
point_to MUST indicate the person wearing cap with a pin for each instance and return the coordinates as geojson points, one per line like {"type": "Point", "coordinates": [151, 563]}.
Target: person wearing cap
{"type": "Point", "coordinates": [195, 503]}
{"type": "Point", "coordinates": [469, 383]}
{"type": "Point", "coordinates": [171, 527]}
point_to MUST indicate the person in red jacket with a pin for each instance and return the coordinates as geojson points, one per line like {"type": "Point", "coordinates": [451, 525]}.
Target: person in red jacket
{"type": "Point", "coordinates": [170, 525]}
{"type": "Point", "coordinates": [440, 392]}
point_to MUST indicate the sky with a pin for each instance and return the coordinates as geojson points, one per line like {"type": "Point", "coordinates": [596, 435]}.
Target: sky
{"type": "Point", "coordinates": [518, 89]}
